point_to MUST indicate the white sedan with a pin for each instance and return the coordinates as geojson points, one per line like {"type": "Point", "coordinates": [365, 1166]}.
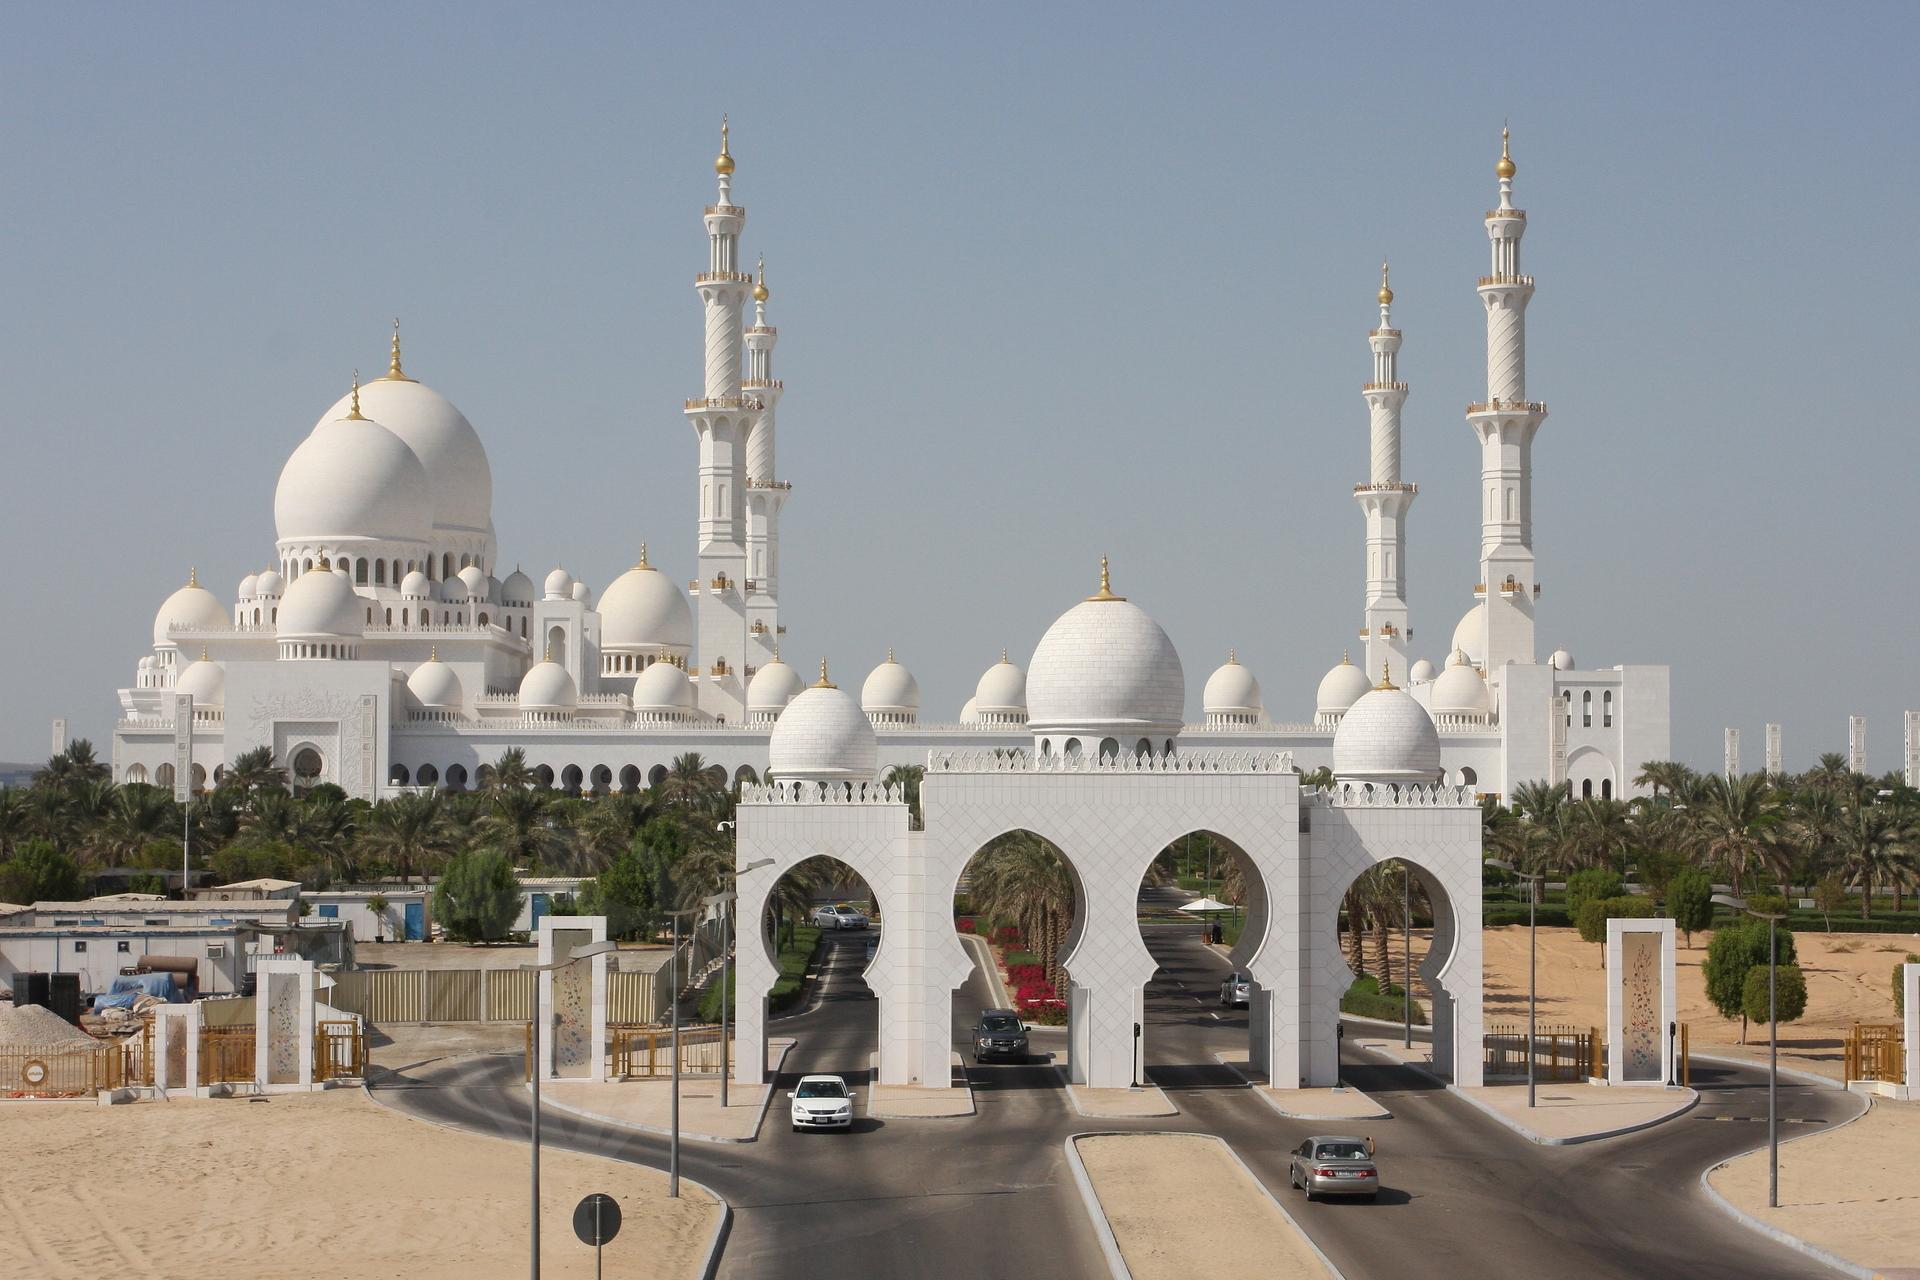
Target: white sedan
{"type": "Point", "coordinates": [840, 917]}
{"type": "Point", "coordinates": [822, 1102]}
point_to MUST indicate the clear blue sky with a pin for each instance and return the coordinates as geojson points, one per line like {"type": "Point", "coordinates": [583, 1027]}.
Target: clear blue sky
{"type": "Point", "coordinates": [1052, 282]}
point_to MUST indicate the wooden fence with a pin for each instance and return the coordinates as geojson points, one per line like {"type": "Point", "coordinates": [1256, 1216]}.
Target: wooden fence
{"type": "Point", "coordinates": [1875, 1051]}
{"type": "Point", "coordinates": [226, 1055]}
{"type": "Point", "coordinates": [1559, 1052]}
{"type": "Point", "coordinates": [476, 995]}
{"type": "Point", "coordinates": [339, 1051]}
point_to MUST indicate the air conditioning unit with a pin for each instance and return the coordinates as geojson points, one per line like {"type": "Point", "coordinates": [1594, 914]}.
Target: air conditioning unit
{"type": "Point", "coordinates": [216, 951]}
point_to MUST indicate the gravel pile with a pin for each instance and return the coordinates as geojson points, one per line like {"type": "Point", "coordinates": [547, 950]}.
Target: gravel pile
{"type": "Point", "coordinates": [33, 1026]}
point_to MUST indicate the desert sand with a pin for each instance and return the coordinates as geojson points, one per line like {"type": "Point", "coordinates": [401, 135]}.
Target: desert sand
{"type": "Point", "coordinates": [1148, 1185]}
{"type": "Point", "coordinates": [310, 1185]}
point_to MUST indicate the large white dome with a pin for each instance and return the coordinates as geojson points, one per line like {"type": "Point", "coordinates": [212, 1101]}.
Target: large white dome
{"type": "Point", "coordinates": [1470, 636]}
{"type": "Point", "coordinates": [1340, 688]}
{"type": "Point", "coordinates": [191, 608]}
{"type": "Point", "coordinates": [1105, 667]}
{"type": "Point", "coordinates": [1232, 691]}
{"type": "Point", "coordinates": [353, 479]}
{"type": "Point", "coordinates": [459, 477]}
{"type": "Point", "coordinates": [824, 736]}
{"type": "Point", "coordinates": [1386, 737]}
{"type": "Point", "coordinates": [435, 687]}
{"type": "Point", "coordinates": [1460, 690]}
{"type": "Point", "coordinates": [1001, 693]}
{"type": "Point", "coordinates": [548, 688]}
{"type": "Point", "coordinates": [890, 690]}
{"type": "Point", "coordinates": [663, 689]}
{"type": "Point", "coordinates": [772, 688]}
{"type": "Point", "coordinates": [269, 583]}
{"type": "Point", "coordinates": [644, 611]}
{"type": "Point", "coordinates": [206, 681]}
{"type": "Point", "coordinates": [321, 602]}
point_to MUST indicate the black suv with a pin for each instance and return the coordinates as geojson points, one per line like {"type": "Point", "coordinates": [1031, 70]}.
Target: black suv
{"type": "Point", "coordinates": [999, 1034]}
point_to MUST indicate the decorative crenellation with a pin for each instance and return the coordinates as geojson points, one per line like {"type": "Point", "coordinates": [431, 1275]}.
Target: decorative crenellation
{"type": "Point", "coordinates": [841, 793]}
{"type": "Point", "coordinates": [1364, 795]}
{"type": "Point", "coordinates": [1007, 760]}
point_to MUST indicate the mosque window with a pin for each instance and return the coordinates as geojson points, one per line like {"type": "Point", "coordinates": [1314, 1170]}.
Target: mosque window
{"type": "Point", "coordinates": [1073, 748]}
{"type": "Point", "coordinates": [1606, 709]}
{"type": "Point", "coordinates": [483, 619]}
{"type": "Point", "coordinates": [1586, 788]}
{"type": "Point", "coordinates": [360, 571]}
{"type": "Point", "coordinates": [1468, 777]}
{"type": "Point", "coordinates": [379, 573]}
{"type": "Point", "coordinates": [1109, 748]}
{"type": "Point", "coordinates": [403, 617]}
{"type": "Point", "coordinates": [1606, 788]}
{"type": "Point", "coordinates": [1143, 748]}
{"type": "Point", "coordinates": [389, 617]}
{"type": "Point", "coordinates": [1586, 709]}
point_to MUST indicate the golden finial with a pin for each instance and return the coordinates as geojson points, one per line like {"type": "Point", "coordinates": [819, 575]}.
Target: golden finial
{"type": "Point", "coordinates": [1386, 293]}
{"type": "Point", "coordinates": [394, 373]}
{"type": "Point", "coordinates": [1386, 681]}
{"type": "Point", "coordinates": [776, 653]}
{"type": "Point", "coordinates": [1346, 657]}
{"type": "Point", "coordinates": [760, 293]}
{"type": "Point", "coordinates": [547, 656]}
{"type": "Point", "coordinates": [1003, 655]}
{"type": "Point", "coordinates": [193, 576]}
{"type": "Point", "coordinates": [1106, 585]}
{"type": "Point", "coordinates": [433, 653]}
{"type": "Point", "coordinates": [889, 653]}
{"type": "Point", "coordinates": [643, 558]}
{"type": "Point", "coordinates": [353, 412]}
{"type": "Point", "coordinates": [824, 682]}
{"type": "Point", "coordinates": [203, 653]}
{"type": "Point", "coordinates": [1233, 659]}
{"type": "Point", "coordinates": [325, 564]}
{"type": "Point", "coordinates": [723, 163]}
{"type": "Point", "coordinates": [1506, 168]}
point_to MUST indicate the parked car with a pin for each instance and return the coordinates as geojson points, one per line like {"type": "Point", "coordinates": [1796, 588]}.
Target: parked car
{"type": "Point", "coordinates": [1237, 991]}
{"type": "Point", "coordinates": [1334, 1166]}
{"type": "Point", "coordinates": [999, 1034]}
{"type": "Point", "coordinates": [840, 917]}
{"type": "Point", "coordinates": [822, 1102]}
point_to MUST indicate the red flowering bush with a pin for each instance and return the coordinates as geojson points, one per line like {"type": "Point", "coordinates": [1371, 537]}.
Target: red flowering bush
{"type": "Point", "coordinates": [1022, 974]}
{"type": "Point", "coordinates": [964, 924]}
{"type": "Point", "coordinates": [1007, 935]}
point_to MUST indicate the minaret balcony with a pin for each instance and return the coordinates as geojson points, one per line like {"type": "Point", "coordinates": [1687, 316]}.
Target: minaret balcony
{"type": "Point", "coordinates": [726, 211]}
{"type": "Point", "coordinates": [753, 329]}
{"type": "Point", "coordinates": [1498, 405]}
{"type": "Point", "coordinates": [1516, 215]}
{"type": "Point", "coordinates": [1383, 333]}
{"type": "Point", "coordinates": [1387, 487]}
{"type": "Point", "coordinates": [723, 402]}
{"type": "Point", "coordinates": [782, 485]}
{"type": "Point", "coordinates": [1383, 386]}
{"type": "Point", "coordinates": [1502, 279]}
{"type": "Point", "coordinates": [724, 277]}
{"type": "Point", "coordinates": [761, 384]}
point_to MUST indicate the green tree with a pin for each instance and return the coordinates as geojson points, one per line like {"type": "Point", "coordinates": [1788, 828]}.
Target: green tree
{"type": "Point", "coordinates": [1737, 824]}
{"type": "Point", "coordinates": [1790, 996]}
{"type": "Point", "coordinates": [1734, 950]}
{"type": "Point", "coordinates": [39, 871]}
{"type": "Point", "coordinates": [1595, 912]}
{"type": "Point", "coordinates": [377, 904]}
{"type": "Point", "coordinates": [252, 772]}
{"type": "Point", "coordinates": [908, 778]}
{"type": "Point", "coordinates": [510, 771]}
{"type": "Point", "coordinates": [521, 826]}
{"type": "Point", "coordinates": [478, 899]}
{"type": "Point", "coordinates": [254, 858]}
{"type": "Point", "coordinates": [1595, 884]}
{"type": "Point", "coordinates": [627, 893]}
{"type": "Point", "coordinates": [1690, 901]}
{"type": "Point", "coordinates": [1829, 895]}
{"type": "Point", "coordinates": [407, 834]}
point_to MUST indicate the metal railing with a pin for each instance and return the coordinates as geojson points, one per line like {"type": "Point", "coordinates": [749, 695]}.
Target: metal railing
{"type": "Point", "coordinates": [339, 1051]}
{"type": "Point", "coordinates": [1560, 1052]}
{"type": "Point", "coordinates": [643, 1052]}
{"type": "Point", "coordinates": [1875, 1052]}
{"type": "Point", "coordinates": [226, 1055]}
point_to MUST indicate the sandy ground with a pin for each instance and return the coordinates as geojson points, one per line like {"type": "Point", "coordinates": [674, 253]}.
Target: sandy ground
{"type": "Point", "coordinates": [1149, 1185]}
{"type": "Point", "coordinates": [309, 1185]}
{"type": "Point", "coordinates": [1853, 1192]}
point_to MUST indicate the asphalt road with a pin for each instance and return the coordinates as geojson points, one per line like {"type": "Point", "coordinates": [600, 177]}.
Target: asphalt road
{"type": "Point", "coordinates": [991, 1196]}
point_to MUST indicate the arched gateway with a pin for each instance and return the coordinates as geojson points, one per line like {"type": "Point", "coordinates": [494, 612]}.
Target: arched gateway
{"type": "Point", "coordinates": [1105, 669]}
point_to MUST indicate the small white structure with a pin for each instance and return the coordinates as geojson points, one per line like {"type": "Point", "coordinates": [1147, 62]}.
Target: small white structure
{"type": "Point", "coordinates": [1641, 1018]}
{"type": "Point", "coordinates": [1910, 987]}
{"type": "Point", "coordinates": [573, 1001]}
{"type": "Point", "coordinates": [283, 1017]}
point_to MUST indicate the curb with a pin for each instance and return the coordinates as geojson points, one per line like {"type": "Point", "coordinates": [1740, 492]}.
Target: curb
{"type": "Point", "coordinates": [873, 1082]}
{"type": "Point", "coordinates": [721, 1230]}
{"type": "Point", "coordinates": [1266, 1095]}
{"type": "Point", "coordinates": [1074, 1098]}
{"type": "Point", "coordinates": [1774, 1233]}
{"type": "Point", "coordinates": [1809, 1077]}
{"type": "Point", "coordinates": [766, 1101]}
{"type": "Point", "coordinates": [1104, 1230]}
{"type": "Point", "coordinates": [992, 970]}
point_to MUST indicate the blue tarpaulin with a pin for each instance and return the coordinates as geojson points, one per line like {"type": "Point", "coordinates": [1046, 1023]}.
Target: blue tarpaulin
{"type": "Point", "coordinates": [116, 1000]}
{"type": "Point", "coordinates": [153, 984]}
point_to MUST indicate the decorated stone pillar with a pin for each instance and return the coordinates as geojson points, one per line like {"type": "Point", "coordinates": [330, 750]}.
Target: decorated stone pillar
{"type": "Point", "coordinates": [571, 1035]}
{"type": "Point", "coordinates": [1641, 1008]}
{"type": "Point", "coordinates": [283, 1024]}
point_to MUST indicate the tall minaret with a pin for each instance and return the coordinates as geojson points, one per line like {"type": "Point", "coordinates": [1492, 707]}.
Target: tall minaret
{"type": "Point", "coordinates": [1505, 425]}
{"type": "Point", "coordinates": [723, 416]}
{"type": "Point", "coordinates": [766, 493]}
{"type": "Point", "coordinates": [1385, 499]}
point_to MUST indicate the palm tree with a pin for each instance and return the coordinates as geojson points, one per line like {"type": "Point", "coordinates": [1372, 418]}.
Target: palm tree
{"type": "Point", "coordinates": [1868, 840]}
{"type": "Point", "coordinates": [609, 825]}
{"type": "Point", "coordinates": [1605, 833]}
{"type": "Point", "coordinates": [1022, 878]}
{"type": "Point", "coordinates": [139, 818]}
{"type": "Point", "coordinates": [907, 777]}
{"type": "Point", "coordinates": [1321, 777]}
{"type": "Point", "coordinates": [1538, 801]}
{"type": "Point", "coordinates": [253, 771]}
{"type": "Point", "coordinates": [76, 764]}
{"type": "Point", "coordinates": [1670, 775]}
{"type": "Point", "coordinates": [1737, 823]}
{"type": "Point", "coordinates": [16, 819]}
{"type": "Point", "coordinates": [687, 785]}
{"type": "Point", "coordinates": [510, 771]}
{"type": "Point", "coordinates": [521, 825]}
{"type": "Point", "coordinates": [408, 833]}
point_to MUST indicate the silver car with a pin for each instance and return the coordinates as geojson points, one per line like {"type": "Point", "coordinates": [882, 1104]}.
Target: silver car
{"type": "Point", "coordinates": [1236, 992]}
{"type": "Point", "coordinates": [1334, 1166]}
{"type": "Point", "coordinates": [840, 917]}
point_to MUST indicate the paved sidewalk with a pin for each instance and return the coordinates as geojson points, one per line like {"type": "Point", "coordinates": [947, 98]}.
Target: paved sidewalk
{"type": "Point", "coordinates": [905, 1101]}
{"type": "Point", "coordinates": [647, 1104]}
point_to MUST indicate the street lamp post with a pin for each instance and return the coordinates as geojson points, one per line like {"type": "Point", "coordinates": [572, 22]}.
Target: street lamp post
{"type": "Point", "coordinates": [1773, 1040]}
{"type": "Point", "coordinates": [1533, 880]}
{"type": "Point", "coordinates": [1406, 950]}
{"type": "Point", "coordinates": [723, 902]}
{"type": "Point", "coordinates": [578, 953]}
{"type": "Point", "coordinates": [673, 999]}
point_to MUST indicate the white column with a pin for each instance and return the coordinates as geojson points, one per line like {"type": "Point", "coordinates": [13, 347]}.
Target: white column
{"type": "Point", "coordinates": [766, 492]}
{"type": "Point", "coordinates": [1857, 743]}
{"type": "Point", "coordinates": [1773, 749]}
{"type": "Point", "coordinates": [1910, 988]}
{"type": "Point", "coordinates": [1733, 753]}
{"type": "Point", "coordinates": [594, 929]}
{"type": "Point", "coordinates": [1913, 749]}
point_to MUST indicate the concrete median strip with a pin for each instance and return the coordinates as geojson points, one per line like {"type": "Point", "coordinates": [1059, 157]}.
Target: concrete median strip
{"type": "Point", "coordinates": [1339, 1103]}
{"type": "Point", "coordinates": [910, 1102]}
{"type": "Point", "coordinates": [1137, 1188]}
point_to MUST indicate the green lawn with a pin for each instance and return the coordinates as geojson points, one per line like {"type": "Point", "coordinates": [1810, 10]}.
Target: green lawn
{"type": "Point", "coordinates": [792, 962]}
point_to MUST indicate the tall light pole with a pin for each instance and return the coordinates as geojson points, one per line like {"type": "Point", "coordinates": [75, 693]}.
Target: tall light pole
{"type": "Point", "coordinates": [673, 999]}
{"type": "Point", "coordinates": [1773, 1040]}
{"type": "Point", "coordinates": [1533, 959]}
{"type": "Point", "coordinates": [1406, 943]}
{"type": "Point", "coordinates": [724, 903]}
{"type": "Point", "coordinates": [582, 952]}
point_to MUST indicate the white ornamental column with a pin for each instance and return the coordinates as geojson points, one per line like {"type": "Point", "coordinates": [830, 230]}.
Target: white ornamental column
{"type": "Point", "coordinates": [766, 493]}
{"type": "Point", "coordinates": [722, 415]}
{"type": "Point", "coordinates": [1505, 423]}
{"type": "Point", "coordinates": [1385, 500]}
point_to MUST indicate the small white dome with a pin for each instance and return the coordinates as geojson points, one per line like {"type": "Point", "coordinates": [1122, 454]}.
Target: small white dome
{"type": "Point", "coordinates": [645, 611]}
{"type": "Point", "coordinates": [1002, 691]}
{"type": "Point", "coordinates": [1106, 667]}
{"type": "Point", "coordinates": [475, 581]}
{"type": "Point", "coordinates": [1340, 688]}
{"type": "Point", "coordinates": [248, 585]}
{"type": "Point", "coordinates": [1386, 737]}
{"type": "Point", "coordinates": [321, 603]}
{"type": "Point", "coordinates": [1471, 635]}
{"type": "Point", "coordinates": [1561, 660]}
{"type": "Point", "coordinates": [583, 593]}
{"type": "Point", "coordinates": [890, 689]}
{"type": "Point", "coordinates": [822, 736]}
{"type": "Point", "coordinates": [1422, 670]}
{"type": "Point", "coordinates": [772, 687]}
{"type": "Point", "coordinates": [191, 608]}
{"type": "Point", "coordinates": [452, 459]}
{"type": "Point", "coordinates": [967, 714]}
{"type": "Point", "coordinates": [663, 688]}
{"type": "Point", "coordinates": [415, 584]}
{"type": "Point", "coordinates": [145, 663]}
{"type": "Point", "coordinates": [206, 681]}
{"type": "Point", "coordinates": [547, 687]}
{"type": "Point", "coordinates": [269, 584]}
{"type": "Point", "coordinates": [1232, 690]}
{"type": "Point", "coordinates": [353, 478]}
{"type": "Point", "coordinates": [1461, 690]}
{"type": "Point", "coordinates": [559, 585]}
{"type": "Point", "coordinates": [435, 687]}
{"type": "Point", "coordinates": [517, 591]}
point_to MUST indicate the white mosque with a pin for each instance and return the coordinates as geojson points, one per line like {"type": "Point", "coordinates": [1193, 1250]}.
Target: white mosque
{"type": "Point", "coordinates": [383, 650]}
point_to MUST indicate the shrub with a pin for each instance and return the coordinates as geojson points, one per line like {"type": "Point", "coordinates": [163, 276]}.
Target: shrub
{"type": "Point", "coordinates": [39, 872]}
{"type": "Point", "coordinates": [962, 905]}
{"type": "Point", "coordinates": [1690, 901]}
{"type": "Point", "coordinates": [1007, 935]}
{"type": "Point", "coordinates": [1492, 877]}
{"type": "Point", "coordinates": [477, 898]}
{"type": "Point", "coordinates": [1900, 984]}
{"type": "Point", "coordinates": [1365, 999]}
{"type": "Point", "coordinates": [1593, 917]}
{"type": "Point", "coordinates": [1516, 913]}
{"type": "Point", "coordinates": [1024, 973]}
{"type": "Point", "coordinates": [1790, 995]}
{"type": "Point", "coordinates": [1591, 885]}
{"type": "Point", "coordinates": [1021, 957]}
{"type": "Point", "coordinates": [1734, 951]}
{"type": "Point", "coordinates": [964, 924]}
{"type": "Point", "coordinates": [1771, 904]}
{"type": "Point", "coordinates": [1828, 897]}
